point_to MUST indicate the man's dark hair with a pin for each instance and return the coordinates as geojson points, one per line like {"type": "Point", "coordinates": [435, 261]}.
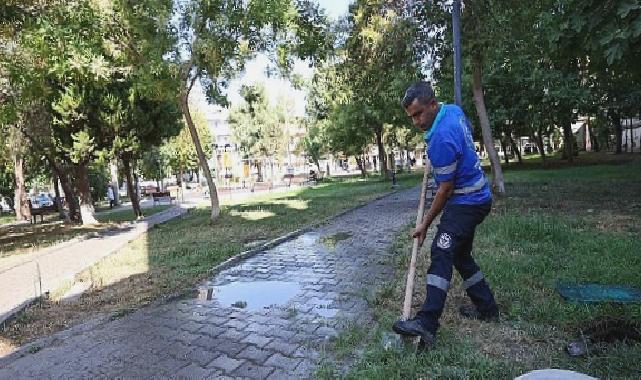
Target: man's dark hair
{"type": "Point", "coordinates": [419, 90]}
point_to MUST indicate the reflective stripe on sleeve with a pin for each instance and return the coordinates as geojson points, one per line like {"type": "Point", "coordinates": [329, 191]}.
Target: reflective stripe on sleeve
{"type": "Point", "coordinates": [442, 170]}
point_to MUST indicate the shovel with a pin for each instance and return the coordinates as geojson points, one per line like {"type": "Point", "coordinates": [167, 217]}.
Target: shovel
{"type": "Point", "coordinates": [393, 340]}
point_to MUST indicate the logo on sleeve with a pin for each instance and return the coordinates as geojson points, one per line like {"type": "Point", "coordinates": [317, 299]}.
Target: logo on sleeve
{"type": "Point", "coordinates": [444, 241]}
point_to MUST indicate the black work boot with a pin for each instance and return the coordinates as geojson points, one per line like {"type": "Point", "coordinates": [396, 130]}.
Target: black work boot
{"type": "Point", "coordinates": [414, 327]}
{"type": "Point", "coordinates": [471, 312]}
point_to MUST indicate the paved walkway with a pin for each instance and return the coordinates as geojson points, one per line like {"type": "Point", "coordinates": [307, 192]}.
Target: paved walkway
{"type": "Point", "coordinates": [25, 277]}
{"type": "Point", "coordinates": [270, 317]}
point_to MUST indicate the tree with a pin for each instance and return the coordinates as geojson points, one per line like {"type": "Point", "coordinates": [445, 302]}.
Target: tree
{"type": "Point", "coordinates": [216, 37]}
{"type": "Point", "coordinates": [314, 144]}
{"type": "Point", "coordinates": [372, 69]}
{"type": "Point", "coordinates": [179, 151]}
{"type": "Point", "coordinates": [258, 127]}
{"type": "Point", "coordinates": [609, 34]}
{"type": "Point", "coordinates": [112, 59]}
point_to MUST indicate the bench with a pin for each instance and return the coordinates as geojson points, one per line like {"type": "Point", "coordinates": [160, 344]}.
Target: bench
{"type": "Point", "coordinates": [42, 211]}
{"type": "Point", "coordinates": [161, 196]}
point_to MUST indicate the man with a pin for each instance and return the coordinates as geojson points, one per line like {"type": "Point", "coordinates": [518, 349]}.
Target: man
{"type": "Point", "coordinates": [111, 196]}
{"type": "Point", "coordinates": [464, 197]}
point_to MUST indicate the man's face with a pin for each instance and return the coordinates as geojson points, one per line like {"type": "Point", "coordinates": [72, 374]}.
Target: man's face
{"type": "Point", "coordinates": [422, 114]}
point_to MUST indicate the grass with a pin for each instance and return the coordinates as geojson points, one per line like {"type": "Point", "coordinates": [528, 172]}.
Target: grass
{"type": "Point", "coordinates": [127, 215]}
{"type": "Point", "coordinates": [578, 224]}
{"type": "Point", "coordinates": [7, 218]}
{"type": "Point", "coordinates": [175, 256]}
{"type": "Point", "coordinates": [28, 238]}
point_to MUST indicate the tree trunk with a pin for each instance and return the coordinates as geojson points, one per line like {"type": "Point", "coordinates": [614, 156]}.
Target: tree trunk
{"type": "Point", "coordinates": [56, 189]}
{"type": "Point", "coordinates": [631, 139]}
{"type": "Point", "coordinates": [133, 194]}
{"type": "Point", "coordinates": [87, 211]}
{"type": "Point", "coordinates": [504, 149]}
{"type": "Point", "coordinates": [259, 171]}
{"type": "Point", "coordinates": [587, 137]}
{"type": "Point", "coordinates": [361, 165]}
{"type": "Point", "coordinates": [213, 193]}
{"type": "Point", "coordinates": [539, 143]}
{"type": "Point", "coordinates": [317, 163]}
{"type": "Point", "coordinates": [516, 149]}
{"type": "Point", "coordinates": [568, 141]}
{"type": "Point", "coordinates": [382, 157]}
{"type": "Point", "coordinates": [479, 102]}
{"type": "Point", "coordinates": [618, 131]}
{"type": "Point", "coordinates": [70, 195]}
{"type": "Point", "coordinates": [113, 168]}
{"type": "Point", "coordinates": [21, 198]}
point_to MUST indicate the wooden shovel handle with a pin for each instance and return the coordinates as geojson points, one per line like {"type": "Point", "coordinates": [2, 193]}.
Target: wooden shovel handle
{"type": "Point", "coordinates": [409, 285]}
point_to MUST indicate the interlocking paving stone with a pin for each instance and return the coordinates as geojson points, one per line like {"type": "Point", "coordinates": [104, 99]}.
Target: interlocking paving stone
{"type": "Point", "coordinates": [282, 347]}
{"type": "Point", "coordinates": [259, 340]}
{"type": "Point", "coordinates": [253, 371]}
{"type": "Point", "coordinates": [191, 338]}
{"type": "Point", "coordinates": [202, 356]}
{"type": "Point", "coordinates": [255, 354]}
{"type": "Point", "coordinates": [194, 371]}
{"type": "Point", "coordinates": [280, 361]}
{"type": "Point", "coordinates": [226, 363]}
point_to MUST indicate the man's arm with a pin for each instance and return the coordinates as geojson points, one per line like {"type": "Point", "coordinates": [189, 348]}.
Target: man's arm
{"type": "Point", "coordinates": [444, 192]}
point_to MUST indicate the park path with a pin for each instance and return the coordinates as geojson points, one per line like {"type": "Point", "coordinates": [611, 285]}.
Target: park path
{"type": "Point", "coordinates": [25, 277]}
{"type": "Point", "coordinates": [270, 317]}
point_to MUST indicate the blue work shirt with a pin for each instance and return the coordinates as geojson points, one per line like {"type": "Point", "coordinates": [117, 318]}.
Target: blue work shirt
{"type": "Point", "coordinates": [451, 151]}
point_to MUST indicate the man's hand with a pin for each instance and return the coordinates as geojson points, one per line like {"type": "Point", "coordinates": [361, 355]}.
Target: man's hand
{"type": "Point", "coordinates": [419, 233]}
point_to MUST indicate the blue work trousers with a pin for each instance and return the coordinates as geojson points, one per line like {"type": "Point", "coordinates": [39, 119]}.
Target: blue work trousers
{"type": "Point", "coordinates": [452, 246]}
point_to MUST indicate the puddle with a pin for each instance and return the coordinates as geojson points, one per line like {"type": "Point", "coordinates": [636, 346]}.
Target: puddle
{"type": "Point", "coordinates": [255, 295]}
{"type": "Point", "coordinates": [330, 241]}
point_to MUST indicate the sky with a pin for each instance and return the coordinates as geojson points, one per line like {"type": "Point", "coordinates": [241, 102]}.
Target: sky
{"type": "Point", "coordinates": [277, 87]}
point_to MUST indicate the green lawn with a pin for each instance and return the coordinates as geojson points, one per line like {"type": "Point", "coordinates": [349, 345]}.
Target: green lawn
{"type": "Point", "coordinates": [7, 218]}
{"type": "Point", "coordinates": [578, 224]}
{"type": "Point", "coordinates": [127, 215]}
{"type": "Point", "coordinates": [177, 255]}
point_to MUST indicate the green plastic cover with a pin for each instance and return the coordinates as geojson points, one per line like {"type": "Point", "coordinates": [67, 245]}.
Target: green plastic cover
{"type": "Point", "coordinates": [595, 293]}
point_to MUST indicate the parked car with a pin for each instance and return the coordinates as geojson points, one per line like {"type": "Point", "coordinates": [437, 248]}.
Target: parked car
{"type": "Point", "coordinates": [530, 148]}
{"type": "Point", "coordinates": [6, 204]}
{"type": "Point", "coordinates": [42, 200]}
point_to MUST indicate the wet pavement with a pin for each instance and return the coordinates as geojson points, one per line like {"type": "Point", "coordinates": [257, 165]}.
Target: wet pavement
{"type": "Point", "coordinates": [270, 316]}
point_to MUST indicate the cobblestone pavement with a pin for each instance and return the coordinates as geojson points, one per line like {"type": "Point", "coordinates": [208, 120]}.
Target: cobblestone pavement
{"type": "Point", "coordinates": [287, 303]}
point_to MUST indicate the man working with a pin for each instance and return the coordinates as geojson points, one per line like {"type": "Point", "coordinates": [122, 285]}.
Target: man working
{"type": "Point", "coordinates": [464, 197]}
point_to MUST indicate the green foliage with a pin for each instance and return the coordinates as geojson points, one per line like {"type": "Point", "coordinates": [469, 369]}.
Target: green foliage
{"type": "Point", "coordinates": [258, 127]}
{"type": "Point", "coordinates": [354, 96]}
{"type": "Point", "coordinates": [99, 179]}
{"type": "Point", "coordinates": [314, 144]}
{"type": "Point", "coordinates": [179, 152]}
